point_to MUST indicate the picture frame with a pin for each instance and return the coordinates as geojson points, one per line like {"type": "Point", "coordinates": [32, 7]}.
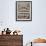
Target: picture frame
{"type": "Point", "coordinates": [38, 44]}
{"type": "Point", "coordinates": [23, 10]}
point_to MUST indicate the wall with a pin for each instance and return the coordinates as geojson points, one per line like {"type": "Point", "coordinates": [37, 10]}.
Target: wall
{"type": "Point", "coordinates": [32, 29]}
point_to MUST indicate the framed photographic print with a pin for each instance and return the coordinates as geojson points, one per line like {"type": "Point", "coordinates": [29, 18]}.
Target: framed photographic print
{"type": "Point", "coordinates": [23, 10]}
{"type": "Point", "coordinates": [38, 44]}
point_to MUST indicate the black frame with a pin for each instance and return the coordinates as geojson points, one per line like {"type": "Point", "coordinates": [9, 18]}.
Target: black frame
{"type": "Point", "coordinates": [31, 43]}
{"type": "Point", "coordinates": [31, 10]}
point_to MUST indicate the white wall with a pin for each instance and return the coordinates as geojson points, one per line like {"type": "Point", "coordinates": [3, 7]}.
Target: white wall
{"type": "Point", "coordinates": [31, 29]}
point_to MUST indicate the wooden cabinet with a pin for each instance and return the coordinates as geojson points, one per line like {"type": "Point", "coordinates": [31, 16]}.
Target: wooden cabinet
{"type": "Point", "coordinates": [11, 40]}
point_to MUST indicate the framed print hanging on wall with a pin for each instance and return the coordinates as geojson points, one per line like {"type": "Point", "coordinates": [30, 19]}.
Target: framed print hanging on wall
{"type": "Point", "coordinates": [23, 10]}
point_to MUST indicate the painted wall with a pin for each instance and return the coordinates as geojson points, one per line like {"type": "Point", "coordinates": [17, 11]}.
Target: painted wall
{"type": "Point", "coordinates": [32, 29]}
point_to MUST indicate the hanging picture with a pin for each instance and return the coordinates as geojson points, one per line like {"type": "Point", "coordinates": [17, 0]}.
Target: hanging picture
{"type": "Point", "coordinates": [23, 10]}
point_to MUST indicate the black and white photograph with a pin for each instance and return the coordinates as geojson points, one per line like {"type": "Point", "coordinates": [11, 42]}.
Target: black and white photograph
{"type": "Point", "coordinates": [23, 10]}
